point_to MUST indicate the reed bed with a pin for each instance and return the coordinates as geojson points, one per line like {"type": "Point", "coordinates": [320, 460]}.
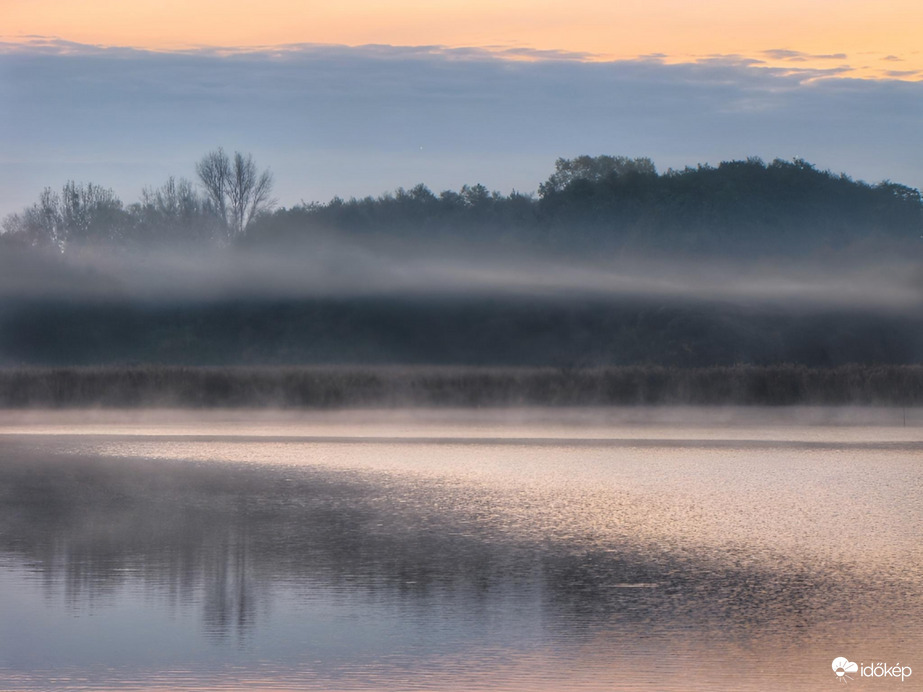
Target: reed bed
{"type": "Point", "coordinates": [324, 387]}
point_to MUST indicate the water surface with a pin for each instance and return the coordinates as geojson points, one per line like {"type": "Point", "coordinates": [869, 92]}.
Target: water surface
{"type": "Point", "coordinates": [543, 549]}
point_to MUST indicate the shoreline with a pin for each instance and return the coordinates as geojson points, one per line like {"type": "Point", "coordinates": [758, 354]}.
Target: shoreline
{"type": "Point", "coordinates": [342, 387]}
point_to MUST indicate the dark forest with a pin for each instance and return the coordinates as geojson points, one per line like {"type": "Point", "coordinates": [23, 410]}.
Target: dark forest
{"type": "Point", "coordinates": [610, 264]}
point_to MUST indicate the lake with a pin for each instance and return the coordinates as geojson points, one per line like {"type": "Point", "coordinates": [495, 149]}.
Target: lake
{"type": "Point", "coordinates": [533, 549]}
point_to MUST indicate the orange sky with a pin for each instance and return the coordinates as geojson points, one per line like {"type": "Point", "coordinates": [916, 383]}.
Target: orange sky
{"type": "Point", "coordinates": [866, 31]}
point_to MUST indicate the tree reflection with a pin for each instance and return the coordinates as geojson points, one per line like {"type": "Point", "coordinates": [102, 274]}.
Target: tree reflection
{"type": "Point", "coordinates": [228, 538]}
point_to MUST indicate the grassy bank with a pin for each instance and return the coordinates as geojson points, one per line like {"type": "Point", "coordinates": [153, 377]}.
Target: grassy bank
{"type": "Point", "coordinates": [339, 387]}
{"type": "Point", "coordinates": [540, 331]}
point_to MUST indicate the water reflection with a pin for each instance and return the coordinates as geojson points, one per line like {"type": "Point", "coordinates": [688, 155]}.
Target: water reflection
{"type": "Point", "coordinates": [222, 536]}
{"type": "Point", "coordinates": [420, 566]}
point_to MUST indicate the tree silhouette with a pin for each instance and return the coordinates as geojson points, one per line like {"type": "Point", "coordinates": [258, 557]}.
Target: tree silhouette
{"type": "Point", "coordinates": [237, 191]}
{"type": "Point", "coordinates": [81, 213]}
{"type": "Point", "coordinates": [174, 212]}
{"type": "Point", "coordinates": [593, 169]}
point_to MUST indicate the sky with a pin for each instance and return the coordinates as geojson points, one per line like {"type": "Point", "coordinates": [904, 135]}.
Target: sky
{"type": "Point", "coordinates": [363, 96]}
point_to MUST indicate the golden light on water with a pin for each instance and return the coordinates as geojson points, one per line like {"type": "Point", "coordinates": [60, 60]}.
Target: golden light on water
{"type": "Point", "coordinates": [464, 550]}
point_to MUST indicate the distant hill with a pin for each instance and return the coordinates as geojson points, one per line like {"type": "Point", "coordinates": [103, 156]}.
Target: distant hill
{"type": "Point", "coordinates": [619, 204]}
{"type": "Point", "coordinates": [589, 205]}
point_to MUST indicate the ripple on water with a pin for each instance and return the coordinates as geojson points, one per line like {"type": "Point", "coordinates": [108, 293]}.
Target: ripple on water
{"type": "Point", "coordinates": [215, 562]}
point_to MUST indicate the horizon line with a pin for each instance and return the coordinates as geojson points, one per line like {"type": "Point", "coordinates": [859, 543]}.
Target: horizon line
{"type": "Point", "coordinates": [782, 60]}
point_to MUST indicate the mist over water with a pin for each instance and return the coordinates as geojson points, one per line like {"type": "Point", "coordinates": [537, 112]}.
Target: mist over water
{"type": "Point", "coordinates": [234, 546]}
{"type": "Point", "coordinates": [420, 550]}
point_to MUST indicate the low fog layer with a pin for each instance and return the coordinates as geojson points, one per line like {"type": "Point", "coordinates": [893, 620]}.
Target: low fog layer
{"type": "Point", "coordinates": [340, 269]}
{"type": "Point", "coordinates": [612, 263]}
{"type": "Point", "coordinates": [604, 226]}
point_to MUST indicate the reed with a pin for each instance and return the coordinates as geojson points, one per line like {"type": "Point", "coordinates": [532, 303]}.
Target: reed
{"type": "Point", "coordinates": [325, 387]}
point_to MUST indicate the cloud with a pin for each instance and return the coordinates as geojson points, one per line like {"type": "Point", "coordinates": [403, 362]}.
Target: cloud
{"type": "Point", "coordinates": [799, 56]}
{"type": "Point", "coordinates": [49, 45]}
{"type": "Point", "coordinates": [361, 120]}
{"type": "Point", "coordinates": [52, 45]}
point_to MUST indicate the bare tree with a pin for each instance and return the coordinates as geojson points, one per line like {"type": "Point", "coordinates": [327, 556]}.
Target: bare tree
{"type": "Point", "coordinates": [81, 213]}
{"type": "Point", "coordinates": [235, 188]}
{"type": "Point", "coordinates": [175, 212]}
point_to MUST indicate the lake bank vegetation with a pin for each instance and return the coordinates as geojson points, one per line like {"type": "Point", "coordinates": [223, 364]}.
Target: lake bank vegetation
{"type": "Point", "coordinates": [610, 264]}
{"type": "Point", "coordinates": [487, 330]}
{"type": "Point", "coordinates": [588, 204]}
{"type": "Point", "coordinates": [374, 387]}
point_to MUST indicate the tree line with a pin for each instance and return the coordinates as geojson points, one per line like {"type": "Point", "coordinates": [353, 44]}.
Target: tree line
{"type": "Point", "coordinates": [615, 203]}
{"type": "Point", "coordinates": [230, 194]}
{"type": "Point", "coordinates": [587, 203]}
